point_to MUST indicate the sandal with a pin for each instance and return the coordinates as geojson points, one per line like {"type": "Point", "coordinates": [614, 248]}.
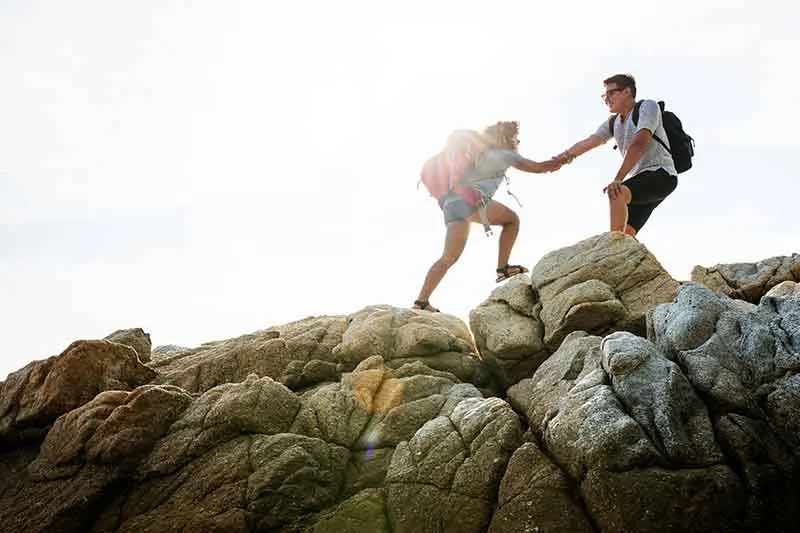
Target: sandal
{"type": "Point", "coordinates": [424, 305]}
{"type": "Point", "coordinates": [508, 271]}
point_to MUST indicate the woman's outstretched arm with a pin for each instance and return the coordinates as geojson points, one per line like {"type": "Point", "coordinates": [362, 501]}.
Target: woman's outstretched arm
{"type": "Point", "coordinates": [537, 167]}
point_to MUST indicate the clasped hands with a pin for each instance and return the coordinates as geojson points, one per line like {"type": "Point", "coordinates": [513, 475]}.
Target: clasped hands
{"type": "Point", "coordinates": [613, 189]}
{"type": "Point", "coordinates": [557, 161]}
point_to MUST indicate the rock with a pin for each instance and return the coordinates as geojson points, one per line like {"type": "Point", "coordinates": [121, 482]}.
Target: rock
{"type": "Point", "coordinates": [388, 419]}
{"type": "Point", "coordinates": [574, 412]}
{"type": "Point", "coordinates": [44, 390]}
{"type": "Point", "coordinates": [508, 332]}
{"type": "Point", "coordinates": [749, 281]}
{"type": "Point", "coordinates": [767, 468]}
{"type": "Point", "coordinates": [364, 511]}
{"type": "Point", "coordinates": [445, 478]}
{"type": "Point", "coordinates": [300, 375]}
{"type": "Point", "coordinates": [662, 424]}
{"type": "Point", "coordinates": [376, 407]}
{"type": "Point", "coordinates": [730, 350]}
{"type": "Point", "coordinates": [324, 447]}
{"type": "Point", "coordinates": [267, 353]}
{"type": "Point", "coordinates": [69, 505]}
{"type": "Point", "coordinates": [166, 349]}
{"type": "Point", "coordinates": [657, 394]}
{"type": "Point", "coordinates": [88, 453]}
{"type": "Point", "coordinates": [219, 415]}
{"type": "Point", "coordinates": [785, 289]}
{"type": "Point", "coordinates": [136, 338]}
{"type": "Point", "coordinates": [535, 495]}
{"type": "Point", "coordinates": [602, 284]}
{"type": "Point", "coordinates": [782, 407]}
{"type": "Point", "coordinates": [744, 361]}
{"type": "Point", "coordinates": [400, 336]}
{"type": "Point", "coordinates": [316, 350]}
{"type": "Point", "coordinates": [656, 499]}
{"type": "Point", "coordinates": [251, 482]}
{"type": "Point", "coordinates": [116, 428]}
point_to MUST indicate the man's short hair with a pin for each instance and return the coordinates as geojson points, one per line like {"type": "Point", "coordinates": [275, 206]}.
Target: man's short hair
{"type": "Point", "coordinates": [622, 81]}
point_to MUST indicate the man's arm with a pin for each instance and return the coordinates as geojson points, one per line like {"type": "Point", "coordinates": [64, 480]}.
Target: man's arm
{"type": "Point", "coordinates": [641, 140]}
{"type": "Point", "coordinates": [580, 147]}
{"type": "Point", "coordinates": [649, 121]}
{"type": "Point", "coordinates": [639, 143]}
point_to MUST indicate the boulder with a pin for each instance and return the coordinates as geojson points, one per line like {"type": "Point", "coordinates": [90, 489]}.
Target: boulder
{"type": "Point", "coordinates": [36, 395]}
{"type": "Point", "coordinates": [508, 331]}
{"type": "Point", "coordinates": [136, 338]}
{"type": "Point", "coordinates": [749, 281]}
{"type": "Point", "coordinates": [606, 283]}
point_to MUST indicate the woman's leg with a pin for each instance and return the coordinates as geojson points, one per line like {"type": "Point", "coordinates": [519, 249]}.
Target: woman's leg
{"type": "Point", "coordinates": [454, 242]}
{"type": "Point", "coordinates": [500, 215]}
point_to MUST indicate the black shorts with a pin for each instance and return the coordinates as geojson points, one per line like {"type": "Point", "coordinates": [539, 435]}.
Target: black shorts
{"type": "Point", "coordinates": [648, 189]}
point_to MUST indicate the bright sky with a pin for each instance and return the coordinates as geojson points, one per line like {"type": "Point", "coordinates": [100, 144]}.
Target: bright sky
{"type": "Point", "coordinates": [204, 169]}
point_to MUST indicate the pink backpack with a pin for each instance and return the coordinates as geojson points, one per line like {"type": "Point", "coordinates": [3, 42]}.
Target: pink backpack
{"type": "Point", "coordinates": [444, 172]}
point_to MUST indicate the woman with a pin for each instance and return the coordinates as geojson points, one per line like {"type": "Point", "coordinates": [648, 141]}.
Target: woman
{"type": "Point", "coordinates": [490, 153]}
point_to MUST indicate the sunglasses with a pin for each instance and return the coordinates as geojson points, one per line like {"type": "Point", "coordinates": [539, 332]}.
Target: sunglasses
{"type": "Point", "coordinates": [609, 93]}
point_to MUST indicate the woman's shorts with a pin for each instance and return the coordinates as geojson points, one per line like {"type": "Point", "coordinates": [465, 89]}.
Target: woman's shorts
{"type": "Point", "coordinates": [457, 209]}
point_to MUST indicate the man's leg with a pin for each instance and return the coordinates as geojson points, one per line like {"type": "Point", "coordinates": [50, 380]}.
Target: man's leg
{"type": "Point", "coordinates": [648, 189]}
{"type": "Point", "coordinates": [618, 211]}
{"type": "Point", "coordinates": [454, 242]}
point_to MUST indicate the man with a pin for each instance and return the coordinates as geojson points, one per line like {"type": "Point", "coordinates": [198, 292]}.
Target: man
{"type": "Point", "coordinates": [648, 162]}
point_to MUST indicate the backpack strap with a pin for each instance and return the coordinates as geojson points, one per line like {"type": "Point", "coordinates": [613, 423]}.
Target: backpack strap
{"type": "Point", "coordinates": [635, 117]}
{"type": "Point", "coordinates": [662, 144]}
{"type": "Point", "coordinates": [636, 122]}
{"type": "Point", "coordinates": [613, 118]}
{"type": "Point", "coordinates": [636, 112]}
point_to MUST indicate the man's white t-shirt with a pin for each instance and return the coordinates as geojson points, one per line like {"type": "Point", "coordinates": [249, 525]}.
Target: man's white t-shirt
{"type": "Point", "coordinates": [655, 156]}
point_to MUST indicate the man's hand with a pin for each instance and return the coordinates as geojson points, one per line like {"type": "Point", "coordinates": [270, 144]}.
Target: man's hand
{"type": "Point", "coordinates": [613, 189]}
{"type": "Point", "coordinates": [551, 166]}
{"type": "Point", "coordinates": [563, 158]}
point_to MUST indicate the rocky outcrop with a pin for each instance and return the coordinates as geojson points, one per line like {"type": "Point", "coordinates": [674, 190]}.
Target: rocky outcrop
{"type": "Point", "coordinates": [684, 415]}
{"type": "Point", "coordinates": [785, 289]}
{"type": "Point", "coordinates": [602, 284]}
{"type": "Point", "coordinates": [319, 349]}
{"type": "Point", "coordinates": [287, 353]}
{"type": "Point", "coordinates": [677, 412]}
{"type": "Point", "coordinates": [439, 341]}
{"type": "Point", "coordinates": [749, 281]}
{"type": "Point", "coordinates": [136, 338]}
{"type": "Point", "coordinates": [32, 398]}
{"type": "Point", "coordinates": [165, 349]}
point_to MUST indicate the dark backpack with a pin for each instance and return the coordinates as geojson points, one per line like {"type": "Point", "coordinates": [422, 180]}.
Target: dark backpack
{"type": "Point", "coordinates": [681, 143]}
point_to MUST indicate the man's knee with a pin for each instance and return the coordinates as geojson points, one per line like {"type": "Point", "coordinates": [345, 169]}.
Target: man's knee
{"type": "Point", "coordinates": [625, 196]}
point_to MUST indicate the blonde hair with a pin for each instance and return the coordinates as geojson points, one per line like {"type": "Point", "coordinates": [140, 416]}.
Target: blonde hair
{"type": "Point", "coordinates": [503, 134]}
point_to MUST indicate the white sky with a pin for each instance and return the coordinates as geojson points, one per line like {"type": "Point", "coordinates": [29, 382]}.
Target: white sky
{"type": "Point", "coordinates": [205, 169]}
